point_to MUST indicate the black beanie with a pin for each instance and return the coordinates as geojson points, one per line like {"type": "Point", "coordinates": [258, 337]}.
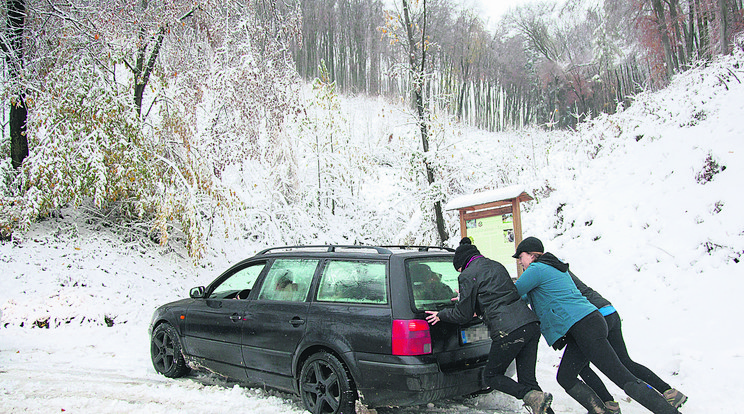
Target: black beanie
{"type": "Point", "coordinates": [529, 245]}
{"type": "Point", "coordinates": [464, 252]}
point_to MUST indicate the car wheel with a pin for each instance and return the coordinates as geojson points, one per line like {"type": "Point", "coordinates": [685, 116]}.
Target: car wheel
{"type": "Point", "coordinates": [325, 387]}
{"type": "Point", "coordinates": [165, 352]}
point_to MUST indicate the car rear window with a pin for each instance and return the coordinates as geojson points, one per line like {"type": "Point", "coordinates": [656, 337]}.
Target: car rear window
{"type": "Point", "coordinates": [354, 282]}
{"type": "Point", "coordinates": [433, 282]}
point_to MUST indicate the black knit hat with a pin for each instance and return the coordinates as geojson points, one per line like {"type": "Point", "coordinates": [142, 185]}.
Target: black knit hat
{"type": "Point", "coordinates": [530, 244]}
{"type": "Point", "coordinates": [464, 252]}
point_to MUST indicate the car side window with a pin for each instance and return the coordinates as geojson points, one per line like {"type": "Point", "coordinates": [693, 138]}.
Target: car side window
{"type": "Point", "coordinates": [239, 284]}
{"type": "Point", "coordinates": [353, 281]}
{"type": "Point", "coordinates": [288, 280]}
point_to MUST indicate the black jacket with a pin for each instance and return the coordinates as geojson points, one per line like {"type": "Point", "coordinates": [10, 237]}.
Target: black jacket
{"type": "Point", "coordinates": [486, 289]}
{"type": "Point", "coordinates": [595, 298]}
{"type": "Point", "coordinates": [550, 260]}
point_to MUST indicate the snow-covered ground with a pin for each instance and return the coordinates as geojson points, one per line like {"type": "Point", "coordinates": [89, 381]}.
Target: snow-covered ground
{"type": "Point", "coordinates": [639, 204]}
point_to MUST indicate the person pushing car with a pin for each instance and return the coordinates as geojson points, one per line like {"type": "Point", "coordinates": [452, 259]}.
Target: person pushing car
{"type": "Point", "coordinates": [487, 290]}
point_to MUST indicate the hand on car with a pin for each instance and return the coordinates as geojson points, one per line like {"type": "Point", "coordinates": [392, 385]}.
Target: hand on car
{"type": "Point", "coordinates": [433, 317]}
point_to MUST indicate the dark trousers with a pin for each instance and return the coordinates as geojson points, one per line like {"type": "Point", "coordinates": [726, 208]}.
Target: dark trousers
{"type": "Point", "coordinates": [521, 345]}
{"type": "Point", "coordinates": [587, 342]}
{"type": "Point", "coordinates": [615, 337]}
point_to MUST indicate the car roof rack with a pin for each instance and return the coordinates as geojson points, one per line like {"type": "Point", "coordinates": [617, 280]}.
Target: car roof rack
{"type": "Point", "coordinates": [324, 248]}
{"type": "Point", "coordinates": [419, 248]}
{"type": "Point", "coordinates": [339, 247]}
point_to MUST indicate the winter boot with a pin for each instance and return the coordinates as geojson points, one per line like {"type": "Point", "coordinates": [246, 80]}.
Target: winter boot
{"type": "Point", "coordinates": [675, 398]}
{"type": "Point", "coordinates": [537, 402]}
{"type": "Point", "coordinates": [612, 406]}
{"type": "Point", "coordinates": [587, 398]}
{"type": "Point", "coordinates": [649, 398]}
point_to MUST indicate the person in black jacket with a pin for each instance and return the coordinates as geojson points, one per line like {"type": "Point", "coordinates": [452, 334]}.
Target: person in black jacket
{"type": "Point", "coordinates": [615, 337]}
{"type": "Point", "coordinates": [487, 290]}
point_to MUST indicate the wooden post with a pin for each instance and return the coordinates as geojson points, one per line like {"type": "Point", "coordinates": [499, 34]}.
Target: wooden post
{"type": "Point", "coordinates": [517, 215]}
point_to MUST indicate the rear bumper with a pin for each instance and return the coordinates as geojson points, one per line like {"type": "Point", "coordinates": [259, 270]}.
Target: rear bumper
{"type": "Point", "coordinates": [395, 384]}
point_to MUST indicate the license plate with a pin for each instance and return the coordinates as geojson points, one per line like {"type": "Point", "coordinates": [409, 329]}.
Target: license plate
{"type": "Point", "coordinates": [474, 334]}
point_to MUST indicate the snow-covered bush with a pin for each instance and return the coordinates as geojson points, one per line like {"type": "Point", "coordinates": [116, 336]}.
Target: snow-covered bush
{"type": "Point", "coordinates": [88, 148]}
{"type": "Point", "coordinates": [86, 145]}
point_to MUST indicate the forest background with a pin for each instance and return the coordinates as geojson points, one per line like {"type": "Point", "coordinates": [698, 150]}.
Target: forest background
{"type": "Point", "coordinates": [214, 120]}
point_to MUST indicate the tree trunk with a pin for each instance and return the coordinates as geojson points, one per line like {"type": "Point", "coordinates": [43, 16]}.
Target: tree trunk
{"type": "Point", "coordinates": [418, 92]}
{"type": "Point", "coordinates": [143, 69]}
{"type": "Point", "coordinates": [666, 44]}
{"type": "Point", "coordinates": [723, 7]}
{"type": "Point", "coordinates": [681, 57]}
{"type": "Point", "coordinates": [14, 59]}
{"type": "Point", "coordinates": [690, 38]}
{"type": "Point", "coordinates": [703, 33]}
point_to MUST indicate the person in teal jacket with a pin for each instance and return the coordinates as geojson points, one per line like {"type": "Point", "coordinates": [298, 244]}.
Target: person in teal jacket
{"type": "Point", "coordinates": [615, 337]}
{"type": "Point", "coordinates": [568, 319]}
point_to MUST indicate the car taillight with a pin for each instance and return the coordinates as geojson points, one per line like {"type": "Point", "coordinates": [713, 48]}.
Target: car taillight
{"type": "Point", "coordinates": [411, 337]}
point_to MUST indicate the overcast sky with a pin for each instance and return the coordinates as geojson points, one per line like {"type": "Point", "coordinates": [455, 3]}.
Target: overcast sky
{"type": "Point", "coordinates": [492, 9]}
{"type": "Point", "coordinates": [495, 8]}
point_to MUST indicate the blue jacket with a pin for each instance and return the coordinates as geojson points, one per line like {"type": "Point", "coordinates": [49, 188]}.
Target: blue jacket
{"type": "Point", "coordinates": [553, 296]}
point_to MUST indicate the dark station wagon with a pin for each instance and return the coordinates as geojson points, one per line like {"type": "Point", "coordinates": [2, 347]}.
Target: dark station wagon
{"type": "Point", "coordinates": [332, 324]}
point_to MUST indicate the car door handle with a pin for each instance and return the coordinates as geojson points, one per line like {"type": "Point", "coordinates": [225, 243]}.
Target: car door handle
{"type": "Point", "coordinates": [235, 317]}
{"type": "Point", "coordinates": [296, 322]}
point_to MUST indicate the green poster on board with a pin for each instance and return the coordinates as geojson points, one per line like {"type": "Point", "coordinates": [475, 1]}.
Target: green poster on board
{"type": "Point", "coordinates": [494, 237]}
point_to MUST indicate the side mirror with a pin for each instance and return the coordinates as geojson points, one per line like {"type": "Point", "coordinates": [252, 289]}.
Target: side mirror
{"type": "Point", "coordinates": [197, 292]}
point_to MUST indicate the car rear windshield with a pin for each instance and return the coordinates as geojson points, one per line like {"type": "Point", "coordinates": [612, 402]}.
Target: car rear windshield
{"type": "Point", "coordinates": [433, 282]}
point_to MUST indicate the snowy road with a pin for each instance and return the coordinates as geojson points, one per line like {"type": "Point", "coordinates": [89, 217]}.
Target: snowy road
{"type": "Point", "coordinates": [107, 370]}
{"type": "Point", "coordinates": [55, 370]}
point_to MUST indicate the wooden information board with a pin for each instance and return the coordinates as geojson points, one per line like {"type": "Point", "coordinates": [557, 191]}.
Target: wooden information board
{"type": "Point", "coordinates": [493, 220]}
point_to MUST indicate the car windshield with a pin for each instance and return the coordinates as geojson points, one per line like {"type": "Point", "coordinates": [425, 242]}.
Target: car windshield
{"type": "Point", "coordinates": [433, 282]}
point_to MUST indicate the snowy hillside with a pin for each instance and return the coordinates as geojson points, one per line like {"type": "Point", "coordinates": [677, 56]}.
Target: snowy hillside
{"type": "Point", "coordinates": [645, 205]}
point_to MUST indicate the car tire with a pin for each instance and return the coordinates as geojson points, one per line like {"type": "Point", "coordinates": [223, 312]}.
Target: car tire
{"type": "Point", "coordinates": [165, 352]}
{"type": "Point", "coordinates": [325, 386]}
